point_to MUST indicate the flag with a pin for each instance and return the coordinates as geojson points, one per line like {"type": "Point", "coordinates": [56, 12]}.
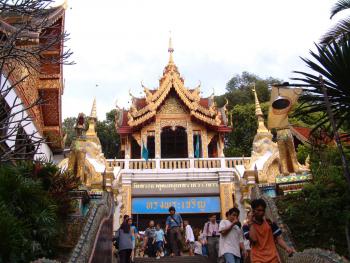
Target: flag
{"type": "Point", "coordinates": [196, 152]}
{"type": "Point", "coordinates": [144, 153]}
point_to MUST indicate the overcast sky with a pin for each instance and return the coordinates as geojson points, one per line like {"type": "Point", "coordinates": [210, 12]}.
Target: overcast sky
{"type": "Point", "coordinates": [118, 44]}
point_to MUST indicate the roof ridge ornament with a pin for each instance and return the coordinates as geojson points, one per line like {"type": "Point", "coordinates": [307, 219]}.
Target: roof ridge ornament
{"type": "Point", "coordinates": [170, 50]}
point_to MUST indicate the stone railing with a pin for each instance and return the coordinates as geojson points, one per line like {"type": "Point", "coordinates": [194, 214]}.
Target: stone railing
{"type": "Point", "coordinates": [313, 255]}
{"type": "Point", "coordinates": [83, 249]}
{"type": "Point", "coordinates": [178, 163]}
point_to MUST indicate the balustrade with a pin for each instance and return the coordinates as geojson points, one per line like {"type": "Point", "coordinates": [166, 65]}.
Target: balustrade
{"type": "Point", "coordinates": [186, 163]}
{"type": "Point", "coordinates": [174, 164]}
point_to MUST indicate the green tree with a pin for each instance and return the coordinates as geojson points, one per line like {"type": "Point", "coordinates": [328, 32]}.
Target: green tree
{"type": "Point", "coordinates": [239, 88]}
{"type": "Point", "coordinates": [342, 28]}
{"type": "Point", "coordinates": [108, 135]}
{"type": "Point", "coordinates": [241, 104]}
{"type": "Point", "coordinates": [68, 129]}
{"type": "Point", "coordinates": [239, 142]}
{"type": "Point", "coordinates": [29, 227]}
{"type": "Point", "coordinates": [34, 204]}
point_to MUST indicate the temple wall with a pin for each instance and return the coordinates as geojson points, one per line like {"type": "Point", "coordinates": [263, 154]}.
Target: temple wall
{"type": "Point", "coordinates": [30, 127]}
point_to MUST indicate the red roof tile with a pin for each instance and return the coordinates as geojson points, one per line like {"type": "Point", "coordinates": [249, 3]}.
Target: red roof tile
{"type": "Point", "coordinates": [204, 102]}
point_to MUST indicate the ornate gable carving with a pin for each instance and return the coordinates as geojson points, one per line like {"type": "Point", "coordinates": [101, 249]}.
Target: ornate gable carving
{"type": "Point", "coordinates": [172, 106]}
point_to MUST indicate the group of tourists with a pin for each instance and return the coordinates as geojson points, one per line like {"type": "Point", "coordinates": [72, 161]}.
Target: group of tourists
{"type": "Point", "coordinates": [227, 241]}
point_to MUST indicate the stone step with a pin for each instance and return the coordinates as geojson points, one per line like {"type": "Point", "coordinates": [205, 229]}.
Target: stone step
{"type": "Point", "coordinates": [183, 259]}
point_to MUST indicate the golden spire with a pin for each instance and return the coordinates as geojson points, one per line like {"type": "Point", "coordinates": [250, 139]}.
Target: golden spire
{"type": "Point", "coordinates": [258, 111]}
{"type": "Point", "coordinates": [91, 132]}
{"type": "Point", "coordinates": [93, 110]}
{"type": "Point", "coordinates": [171, 50]}
{"type": "Point", "coordinates": [259, 114]}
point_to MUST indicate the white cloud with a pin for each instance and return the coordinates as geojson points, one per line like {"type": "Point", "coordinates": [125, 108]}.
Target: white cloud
{"type": "Point", "coordinates": [117, 44]}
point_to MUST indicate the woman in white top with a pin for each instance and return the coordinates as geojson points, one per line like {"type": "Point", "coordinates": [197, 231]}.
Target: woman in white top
{"type": "Point", "coordinates": [189, 237]}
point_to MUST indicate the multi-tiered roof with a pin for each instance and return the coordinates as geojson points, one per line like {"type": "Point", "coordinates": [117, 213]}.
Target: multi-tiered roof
{"type": "Point", "coordinates": [143, 110]}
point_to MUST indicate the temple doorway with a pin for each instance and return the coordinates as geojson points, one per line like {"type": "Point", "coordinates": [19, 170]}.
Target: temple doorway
{"type": "Point", "coordinates": [213, 148]}
{"type": "Point", "coordinates": [196, 220]}
{"type": "Point", "coordinates": [174, 142]}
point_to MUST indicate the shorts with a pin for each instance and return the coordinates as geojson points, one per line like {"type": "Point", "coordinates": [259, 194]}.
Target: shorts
{"type": "Point", "coordinates": [191, 246]}
{"type": "Point", "coordinates": [159, 245]}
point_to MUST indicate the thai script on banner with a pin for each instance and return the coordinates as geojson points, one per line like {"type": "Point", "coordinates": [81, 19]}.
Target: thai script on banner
{"type": "Point", "coordinates": [181, 204]}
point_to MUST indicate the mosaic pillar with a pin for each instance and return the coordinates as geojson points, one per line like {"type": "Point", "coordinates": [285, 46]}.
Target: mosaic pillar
{"type": "Point", "coordinates": [226, 200]}
{"type": "Point", "coordinates": [190, 140]}
{"type": "Point", "coordinates": [127, 147]}
{"type": "Point", "coordinates": [221, 146]}
{"type": "Point", "coordinates": [126, 200]}
{"type": "Point", "coordinates": [204, 143]}
{"type": "Point", "coordinates": [157, 140]}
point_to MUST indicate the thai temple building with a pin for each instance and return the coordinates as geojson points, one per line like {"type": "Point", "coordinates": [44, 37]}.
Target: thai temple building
{"type": "Point", "coordinates": [172, 143]}
{"type": "Point", "coordinates": [45, 82]}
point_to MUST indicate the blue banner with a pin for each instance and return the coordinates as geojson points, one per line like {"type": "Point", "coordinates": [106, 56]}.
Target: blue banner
{"type": "Point", "coordinates": [182, 205]}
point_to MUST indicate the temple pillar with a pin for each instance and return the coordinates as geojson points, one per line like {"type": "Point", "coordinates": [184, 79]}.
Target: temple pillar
{"type": "Point", "coordinates": [157, 140]}
{"type": "Point", "coordinates": [204, 143]}
{"type": "Point", "coordinates": [126, 200]}
{"type": "Point", "coordinates": [227, 189]}
{"type": "Point", "coordinates": [226, 197]}
{"type": "Point", "coordinates": [127, 147]}
{"type": "Point", "coordinates": [190, 140]}
{"type": "Point", "coordinates": [221, 146]}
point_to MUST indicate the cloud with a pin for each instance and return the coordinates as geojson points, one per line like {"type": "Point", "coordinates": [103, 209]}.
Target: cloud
{"type": "Point", "coordinates": [118, 44]}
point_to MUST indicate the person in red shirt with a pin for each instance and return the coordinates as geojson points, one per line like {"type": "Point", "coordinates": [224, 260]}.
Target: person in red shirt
{"type": "Point", "coordinates": [263, 236]}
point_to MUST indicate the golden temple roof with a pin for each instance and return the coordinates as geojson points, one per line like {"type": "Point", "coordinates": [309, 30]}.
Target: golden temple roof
{"type": "Point", "coordinates": [203, 109]}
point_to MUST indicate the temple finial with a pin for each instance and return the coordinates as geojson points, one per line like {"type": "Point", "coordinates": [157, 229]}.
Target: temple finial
{"type": "Point", "coordinates": [93, 110]}
{"type": "Point", "coordinates": [258, 113]}
{"type": "Point", "coordinates": [170, 50]}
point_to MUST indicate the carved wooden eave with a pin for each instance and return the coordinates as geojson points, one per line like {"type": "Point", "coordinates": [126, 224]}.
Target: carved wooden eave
{"type": "Point", "coordinates": [49, 17]}
{"type": "Point", "coordinates": [47, 81]}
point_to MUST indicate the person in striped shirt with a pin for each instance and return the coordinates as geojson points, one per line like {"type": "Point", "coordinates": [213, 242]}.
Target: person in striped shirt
{"type": "Point", "coordinates": [263, 235]}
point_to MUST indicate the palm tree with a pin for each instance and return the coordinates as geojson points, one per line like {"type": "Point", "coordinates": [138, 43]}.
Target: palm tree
{"type": "Point", "coordinates": [332, 62]}
{"type": "Point", "coordinates": [342, 28]}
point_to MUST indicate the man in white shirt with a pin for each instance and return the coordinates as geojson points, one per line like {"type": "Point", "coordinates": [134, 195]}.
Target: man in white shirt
{"type": "Point", "coordinates": [189, 237]}
{"type": "Point", "coordinates": [231, 237]}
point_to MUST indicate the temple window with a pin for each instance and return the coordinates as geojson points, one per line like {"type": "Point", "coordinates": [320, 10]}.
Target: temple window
{"type": "Point", "coordinates": [213, 148]}
{"type": "Point", "coordinates": [151, 144]}
{"type": "Point", "coordinates": [174, 142]}
{"type": "Point", "coordinates": [135, 149]}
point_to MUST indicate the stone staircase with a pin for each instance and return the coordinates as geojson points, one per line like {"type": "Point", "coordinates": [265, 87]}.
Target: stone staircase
{"type": "Point", "coordinates": [183, 259]}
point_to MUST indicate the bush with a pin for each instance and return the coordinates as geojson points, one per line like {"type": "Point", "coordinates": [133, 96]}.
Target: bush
{"type": "Point", "coordinates": [33, 205]}
{"type": "Point", "coordinates": [317, 215]}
